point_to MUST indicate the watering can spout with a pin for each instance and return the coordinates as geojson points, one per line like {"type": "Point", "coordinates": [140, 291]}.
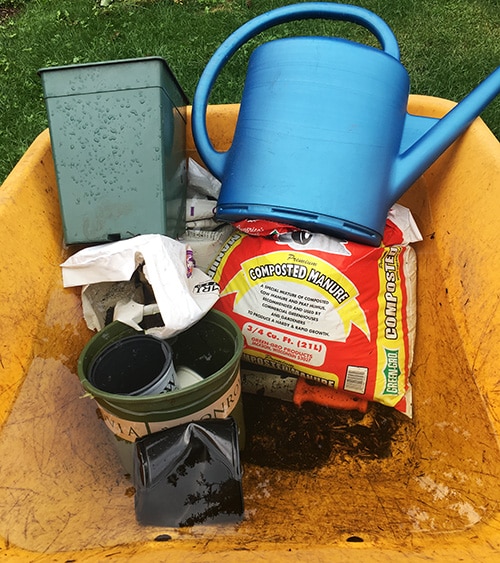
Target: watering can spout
{"type": "Point", "coordinates": [434, 136]}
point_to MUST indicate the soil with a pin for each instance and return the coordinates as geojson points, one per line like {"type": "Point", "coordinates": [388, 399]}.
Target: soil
{"type": "Point", "coordinates": [284, 436]}
{"type": "Point", "coordinates": [7, 12]}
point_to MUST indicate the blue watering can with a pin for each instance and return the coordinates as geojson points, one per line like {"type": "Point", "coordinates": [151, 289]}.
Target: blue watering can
{"type": "Point", "coordinates": [323, 139]}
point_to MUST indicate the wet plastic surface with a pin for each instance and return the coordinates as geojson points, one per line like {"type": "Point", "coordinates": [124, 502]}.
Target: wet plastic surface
{"type": "Point", "coordinates": [125, 174]}
{"type": "Point", "coordinates": [188, 475]}
{"type": "Point", "coordinates": [135, 365]}
{"type": "Point", "coordinates": [434, 493]}
{"type": "Point", "coordinates": [201, 349]}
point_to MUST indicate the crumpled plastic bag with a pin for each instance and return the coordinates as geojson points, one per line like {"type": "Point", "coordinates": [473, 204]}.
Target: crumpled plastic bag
{"type": "Point", "coordinates": [201, 182]}
{"type": "Point", "coordinates": [184, 294]}
{"type": "Point", "coordinates": [189, 474]}
{"type": "Point", "coordinates": [203, 233]}
{"type": "Point", "coordinates": [207, 243]}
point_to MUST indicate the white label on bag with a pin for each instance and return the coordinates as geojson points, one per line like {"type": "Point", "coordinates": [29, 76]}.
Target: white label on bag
{"type": "Point", "coordinates": [285, 345]}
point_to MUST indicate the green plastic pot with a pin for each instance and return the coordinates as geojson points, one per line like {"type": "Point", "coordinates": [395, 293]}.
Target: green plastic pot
{"type": "Point", "coordinates": [212, 347]}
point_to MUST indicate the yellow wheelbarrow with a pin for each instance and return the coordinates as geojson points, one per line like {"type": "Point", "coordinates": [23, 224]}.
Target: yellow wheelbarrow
{"type": "Point", "coordinates": [63, 492]}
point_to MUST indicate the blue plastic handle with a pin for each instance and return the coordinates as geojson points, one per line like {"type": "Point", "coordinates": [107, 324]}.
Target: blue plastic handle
{"type": "Point", "coordinates": [215, 160]}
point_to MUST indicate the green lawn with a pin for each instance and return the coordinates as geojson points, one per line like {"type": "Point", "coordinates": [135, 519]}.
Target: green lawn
{"type": "Point", "coordinates": [448, 47]}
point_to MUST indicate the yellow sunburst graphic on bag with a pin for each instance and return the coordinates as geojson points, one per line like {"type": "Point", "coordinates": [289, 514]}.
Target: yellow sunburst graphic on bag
{"type": "Point", "coordinates": [309, 272]}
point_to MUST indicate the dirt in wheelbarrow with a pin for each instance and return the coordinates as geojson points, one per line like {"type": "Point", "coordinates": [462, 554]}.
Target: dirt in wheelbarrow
{"type": "Point", "coordinates": [283, 436]}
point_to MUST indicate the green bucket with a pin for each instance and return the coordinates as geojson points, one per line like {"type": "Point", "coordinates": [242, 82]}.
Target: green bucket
{"type": "Point", "coordinates": [212, 348]}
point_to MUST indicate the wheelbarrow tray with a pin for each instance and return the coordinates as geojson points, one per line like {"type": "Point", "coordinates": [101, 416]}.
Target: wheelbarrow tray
{"type": "Point", "coordinates": [64, 495]}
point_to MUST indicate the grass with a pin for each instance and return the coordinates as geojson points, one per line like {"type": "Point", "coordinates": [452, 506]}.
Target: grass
{"type": "Point", "coordinates": [447, 46]}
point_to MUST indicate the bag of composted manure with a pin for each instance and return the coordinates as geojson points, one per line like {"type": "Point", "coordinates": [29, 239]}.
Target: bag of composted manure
{"type": "Point", "coordinates": [334, 311]}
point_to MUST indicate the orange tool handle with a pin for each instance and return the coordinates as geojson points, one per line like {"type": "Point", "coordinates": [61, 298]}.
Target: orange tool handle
{"type": "Point", "coordinates": [306, 392]}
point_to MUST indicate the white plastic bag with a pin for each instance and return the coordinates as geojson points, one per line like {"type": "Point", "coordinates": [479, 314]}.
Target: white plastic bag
{"type": "Point", "coordinates": [183, 295]}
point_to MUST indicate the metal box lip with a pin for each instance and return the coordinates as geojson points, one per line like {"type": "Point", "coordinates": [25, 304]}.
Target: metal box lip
{"type": "Point", "coordinates": [109, 76]}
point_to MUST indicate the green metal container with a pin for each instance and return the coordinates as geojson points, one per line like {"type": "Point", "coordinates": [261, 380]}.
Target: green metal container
{"type": "Point", "coordinates": [118, 139]}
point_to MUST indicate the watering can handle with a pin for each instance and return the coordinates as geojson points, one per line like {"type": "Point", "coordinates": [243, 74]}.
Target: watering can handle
{"type": "Point", "coordinates": [215, 160]}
